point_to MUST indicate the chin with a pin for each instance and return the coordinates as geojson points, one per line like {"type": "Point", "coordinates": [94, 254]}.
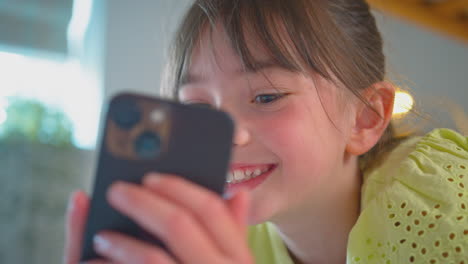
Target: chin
{"type": "Point", "coordinates": [255, 221]}
{"type": "Point", "coordinates": [260, 214]}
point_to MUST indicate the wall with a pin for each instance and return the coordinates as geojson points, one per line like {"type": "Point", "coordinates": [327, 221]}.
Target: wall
{"type": "Point", "coordinates": [433, 66]}
{"type": "Point", "coordinates": [138, 34]}
{"type": "Point", "coordinates": [36, 182]}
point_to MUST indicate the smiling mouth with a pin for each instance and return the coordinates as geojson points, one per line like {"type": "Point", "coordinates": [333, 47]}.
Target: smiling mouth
{"type": "Point", "coordinates": [246, 173]}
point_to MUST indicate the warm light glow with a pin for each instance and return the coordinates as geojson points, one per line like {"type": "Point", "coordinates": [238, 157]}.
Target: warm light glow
{"type": "Point", "coordinates": [403, 103]}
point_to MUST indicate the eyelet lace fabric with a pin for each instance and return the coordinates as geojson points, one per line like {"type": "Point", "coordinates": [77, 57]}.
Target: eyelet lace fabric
{"type": "Point", "coordinates": [415, 206]}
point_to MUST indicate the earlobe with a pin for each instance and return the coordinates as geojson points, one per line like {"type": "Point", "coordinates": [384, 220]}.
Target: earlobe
{"type": "Point", "coordinates": [371, 119]}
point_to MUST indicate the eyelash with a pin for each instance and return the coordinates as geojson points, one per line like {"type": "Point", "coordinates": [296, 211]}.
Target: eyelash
{"type": "Point", "coordinates": [273, 98]}
{"type": "Point", "coordinates": [277, 96]}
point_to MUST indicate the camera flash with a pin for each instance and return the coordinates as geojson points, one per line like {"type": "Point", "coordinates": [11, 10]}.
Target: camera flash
{"type": "Point", "coordinates": [157, 116]}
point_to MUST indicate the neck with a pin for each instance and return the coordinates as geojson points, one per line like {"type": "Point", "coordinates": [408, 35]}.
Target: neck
{"type": "Point", "coordinates": [318, 233]}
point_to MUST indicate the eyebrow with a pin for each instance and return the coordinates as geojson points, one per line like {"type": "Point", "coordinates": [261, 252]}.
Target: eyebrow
{"type": "Point", "coordinates": [257, 67]}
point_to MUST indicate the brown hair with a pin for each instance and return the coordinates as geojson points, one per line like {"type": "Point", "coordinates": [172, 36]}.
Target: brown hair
{"type": "Point", "coordinates": [337, 39]}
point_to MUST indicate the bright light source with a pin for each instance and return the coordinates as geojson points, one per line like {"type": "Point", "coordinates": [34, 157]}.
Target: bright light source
{"type": "Point", "coordinates": [403, 103]}
{"type": "Point", "coordinates": [62, 85]}
{"type": "Point", "coordinates": [65, 85]}
{"type": "Point", "coordinates": [79, 23]}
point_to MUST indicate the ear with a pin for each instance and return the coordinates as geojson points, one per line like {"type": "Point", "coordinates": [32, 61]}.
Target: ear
{"type": "Point", "coordinates": [370, 121]}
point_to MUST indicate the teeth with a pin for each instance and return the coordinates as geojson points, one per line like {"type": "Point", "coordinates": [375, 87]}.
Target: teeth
{"type": "Point", "coordinates": [257, 172]}
{"type": "Point", "coordinates": [229, 177]}
{"type": "Point", "coordinates": [238, 175]}
{"type": "Point", "coordinates": [243, 175]}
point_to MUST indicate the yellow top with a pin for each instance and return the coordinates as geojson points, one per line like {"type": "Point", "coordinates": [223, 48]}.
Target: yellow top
{"type": "Point", "coordinates": [414, 208]}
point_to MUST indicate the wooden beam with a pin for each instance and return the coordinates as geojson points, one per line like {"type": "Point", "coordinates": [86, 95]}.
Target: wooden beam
{"type": "Point", "coordinates": [426, 15]}
{"type": "Point", "coordinates": [450, 8]}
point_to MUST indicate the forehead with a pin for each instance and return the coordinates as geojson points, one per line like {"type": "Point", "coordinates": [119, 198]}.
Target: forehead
{"type": "Point", "coordinates": [214, 53]}
{"type": "Point", "coordinates": [214, 50]}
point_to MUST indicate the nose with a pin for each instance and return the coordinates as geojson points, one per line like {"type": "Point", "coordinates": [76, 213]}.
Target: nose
{"type": "Point", "coordinates": [241, 135]}
{"type": "Point", "coordinates": [241, 132]}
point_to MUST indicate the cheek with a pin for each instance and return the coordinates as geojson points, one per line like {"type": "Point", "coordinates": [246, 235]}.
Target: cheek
{"type": "Point", "coordinates": [306, 160]}
{"type": "Point", "coordinates": [300, 141]}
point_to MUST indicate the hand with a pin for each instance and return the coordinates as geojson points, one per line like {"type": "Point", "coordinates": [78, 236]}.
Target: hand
{"type": "Point", "coordinates": [196, 224]}
{"type": "Point", "coordinates": [77, 212]}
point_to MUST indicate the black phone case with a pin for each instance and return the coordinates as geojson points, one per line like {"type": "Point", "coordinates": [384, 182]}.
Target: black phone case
{"type": "Point", "coordinates": [195, 143]}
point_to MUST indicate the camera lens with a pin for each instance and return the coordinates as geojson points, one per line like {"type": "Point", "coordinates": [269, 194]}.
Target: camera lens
{"type": "Point", "coordinates": [147, 145]}
{"type": "Point", "coordinates": [125, 114]}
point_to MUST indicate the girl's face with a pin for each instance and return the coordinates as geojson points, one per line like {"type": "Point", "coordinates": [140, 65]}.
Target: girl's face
{"type": "Point", "coordinates": [287, 133]}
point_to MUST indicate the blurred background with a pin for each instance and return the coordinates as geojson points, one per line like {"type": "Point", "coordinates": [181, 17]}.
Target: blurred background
{"type": "Point", "coordinates": [60, 60]}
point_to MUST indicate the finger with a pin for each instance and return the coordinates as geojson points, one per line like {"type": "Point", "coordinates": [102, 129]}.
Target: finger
{"type": "Point", "coordinates": [173, 225]}
{"type": "Point", "coordinates": [77, 212]}
{"type": "Point", "coordinates": [207, 207]}
{"type": "Point", "coordinates": [123, 249]}
{"type": "Point", "coordinates": [239, 206]}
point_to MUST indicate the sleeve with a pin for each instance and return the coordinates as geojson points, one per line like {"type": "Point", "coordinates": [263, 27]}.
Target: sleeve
{"type": "Point", "coordinates": [266, 245]}
{"type": "Point", "coordinates": [414, 207]}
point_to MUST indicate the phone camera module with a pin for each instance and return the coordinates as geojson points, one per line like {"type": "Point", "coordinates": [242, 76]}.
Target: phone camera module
{"type": "Point", "coordinates": [126, 114]}
{"type": "Point", "coordinates": [147, 145]}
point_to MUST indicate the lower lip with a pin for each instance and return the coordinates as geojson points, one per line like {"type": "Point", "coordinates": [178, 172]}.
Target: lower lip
{"type": "Point", "coordinates": [249, 184]}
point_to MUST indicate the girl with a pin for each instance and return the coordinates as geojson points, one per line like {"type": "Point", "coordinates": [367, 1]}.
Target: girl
{"type": "Point", "coordinates": [304, 82]}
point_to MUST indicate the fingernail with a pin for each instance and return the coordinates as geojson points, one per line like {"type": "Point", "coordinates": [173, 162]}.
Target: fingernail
{"type": "Point", "coordinates": [227, 195]}
{"type": "Point", "coordinates": [152, 178]}
{"type": "Point", "coordinates": [100, 243]}
{"type": "Point", "coordinates": [230, 195]}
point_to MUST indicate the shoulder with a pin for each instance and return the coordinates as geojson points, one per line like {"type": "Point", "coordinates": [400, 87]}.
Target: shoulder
{"type": "Point", "coordinates": [430, 159]}
{"type": "Point", "coordinates": [266, 245]}
{"type": "Point", "coordinates": [415, 205]}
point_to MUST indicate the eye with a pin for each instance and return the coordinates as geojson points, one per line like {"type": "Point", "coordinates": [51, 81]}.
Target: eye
{"type": "Point", "coordinates": [268, 98]}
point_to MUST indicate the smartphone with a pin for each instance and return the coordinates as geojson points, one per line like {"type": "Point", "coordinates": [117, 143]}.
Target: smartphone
{"type": "Point", "coordinates": [143, 134]}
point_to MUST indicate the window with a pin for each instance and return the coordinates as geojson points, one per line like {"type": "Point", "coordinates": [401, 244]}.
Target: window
{"type": "Point", "coordinates": [54, 79]}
